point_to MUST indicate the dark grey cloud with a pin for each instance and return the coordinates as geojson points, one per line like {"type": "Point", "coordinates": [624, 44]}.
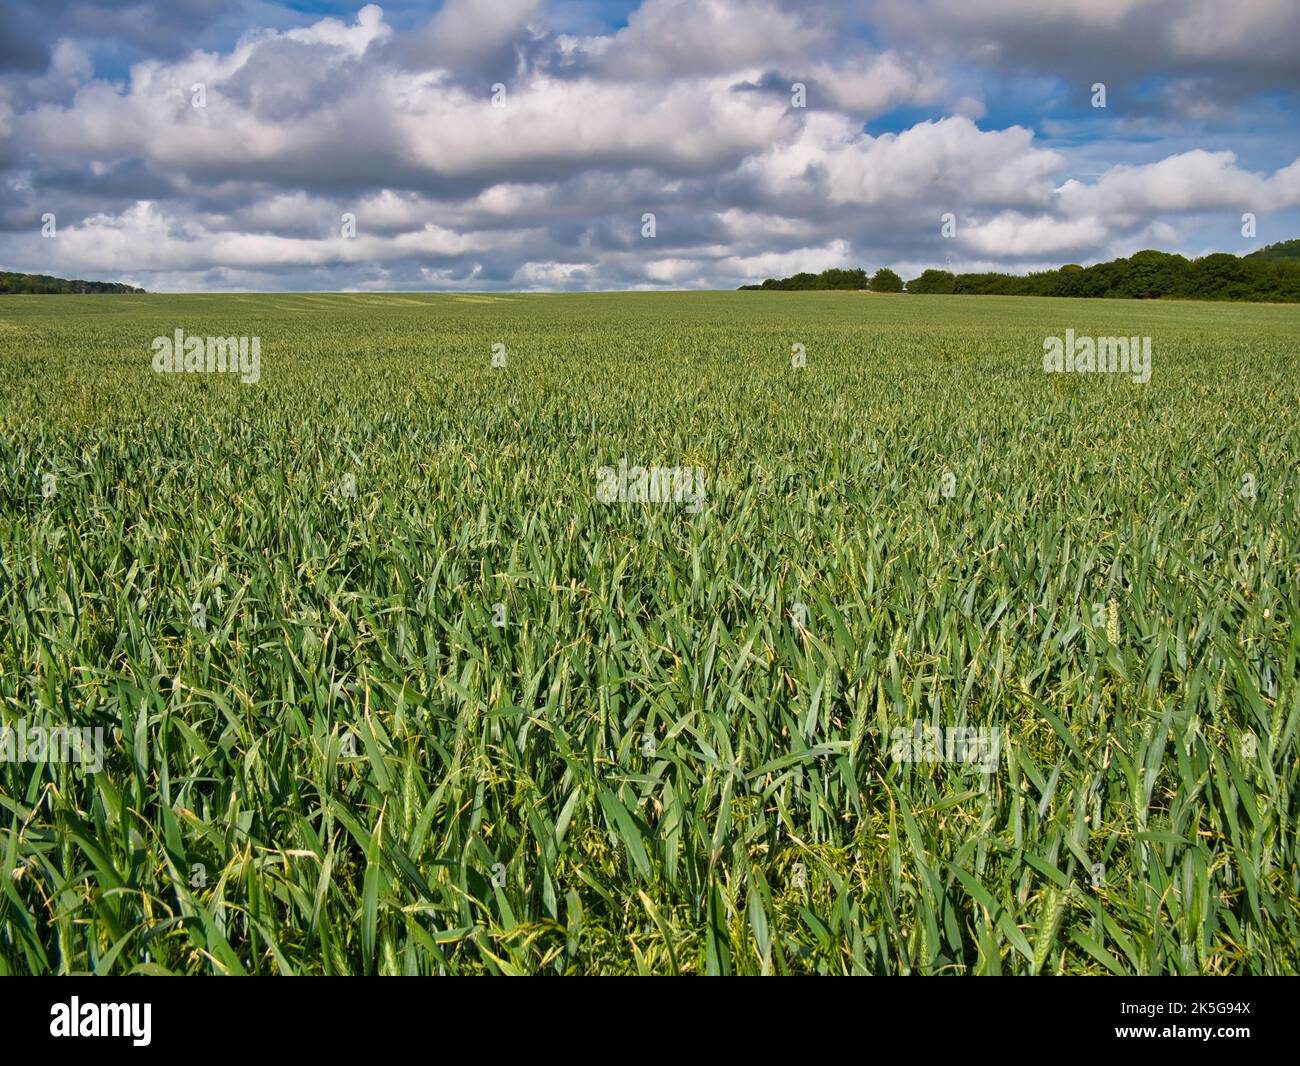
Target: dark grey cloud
{"type": "Point", "coordinates": [160, 28]}
{"type": "Point", "coordinates": [1209, 52]}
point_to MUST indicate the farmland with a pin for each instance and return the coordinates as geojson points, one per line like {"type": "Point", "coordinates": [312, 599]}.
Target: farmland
{"type": "Point", "coordinates": [385, 685]}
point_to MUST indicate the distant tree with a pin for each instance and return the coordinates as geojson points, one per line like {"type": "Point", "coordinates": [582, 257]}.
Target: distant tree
{"type": "Point", "coordinates": [844, 279]}
{"type": "Point", "coordinates": [932, 281]}
{"type": "Point", "coordinates": [1281, 250]}
{"type": "Point", "coordinates": [885, 280]}
{"type": "Point", "coordinates": [834, 278]}
{"type": "Point", "coordinates": [1150, 274]}
{"type": "Point", "coordinates": [1224, 276]}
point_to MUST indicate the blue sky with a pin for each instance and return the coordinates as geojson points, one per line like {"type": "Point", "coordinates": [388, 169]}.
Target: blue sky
{"type": "Point", "coordinates": [196, 145]}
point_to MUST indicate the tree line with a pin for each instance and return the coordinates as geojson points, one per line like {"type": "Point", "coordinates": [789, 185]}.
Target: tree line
{"type": "Point", "coordinates": [11, 282]}
{"type": "Point", "coordinates": [1272, 273]}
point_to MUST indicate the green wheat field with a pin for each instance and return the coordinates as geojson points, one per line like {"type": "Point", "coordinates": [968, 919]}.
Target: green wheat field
{"type": "Point", "coordinates": [384, 687]}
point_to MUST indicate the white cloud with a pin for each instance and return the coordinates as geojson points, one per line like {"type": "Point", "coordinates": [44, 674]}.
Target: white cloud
{"type": "Point", "coordinates": [1190, 181]}
{"type": "Point", "coordinates": [672, 38]}
{"type": "Point", "coordinates": [869, 85]}
{"type": "Point", "coordinates": [1031, 237]}
{"type": "Point", "coordinates": [950, 161]}
{"type": "Point", "coordinates": [354, 39]}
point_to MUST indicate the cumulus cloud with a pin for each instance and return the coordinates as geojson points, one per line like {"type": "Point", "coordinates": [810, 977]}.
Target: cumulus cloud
{"type": "Point", "coordinates": [675, 38]}
{"type": "Point", "coordinates": [685, 112]}
{"type": "Point", "coordinates": [1216, 50]}
{"type": "Point", "coordinates": [1190, 181]}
